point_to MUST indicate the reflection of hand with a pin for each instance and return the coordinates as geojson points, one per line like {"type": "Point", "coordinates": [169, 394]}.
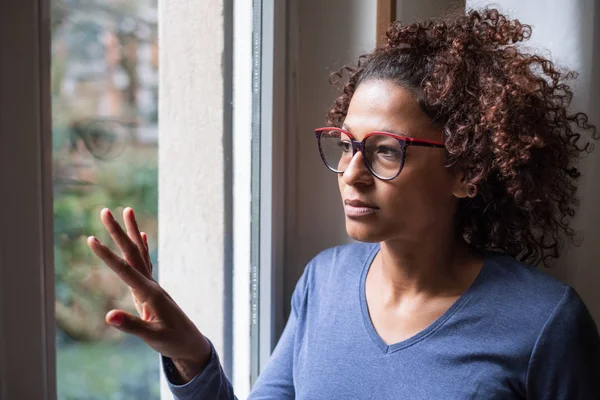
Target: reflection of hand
{"type": "Point", "coordinates": [162, 324]}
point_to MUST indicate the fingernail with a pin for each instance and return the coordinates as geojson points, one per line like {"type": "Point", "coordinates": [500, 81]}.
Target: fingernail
{"type": "Point", "coordinates": [110, 214]}
{"type": "Point", "coordinates": [117, 320]}
{"type": "Point", "coordinates": [94, 239]}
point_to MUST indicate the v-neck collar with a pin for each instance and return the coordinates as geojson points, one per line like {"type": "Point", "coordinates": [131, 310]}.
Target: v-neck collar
{"type": "Point", "coordinates": [385, 348]}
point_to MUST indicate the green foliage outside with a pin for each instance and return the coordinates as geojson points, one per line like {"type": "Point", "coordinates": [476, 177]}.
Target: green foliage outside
{"type": "Point", "coordinates": [108, 371]}
{"type": "Point", "coordinates": [93, 360]}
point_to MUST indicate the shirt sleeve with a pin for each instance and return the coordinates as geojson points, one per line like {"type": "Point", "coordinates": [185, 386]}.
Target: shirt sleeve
{"type": "Point", "coordinates": [565, 362]}
{"type": "Point", "coordinates": [211, 383]}
{"type": "Point", "coordinates": [274, 383]}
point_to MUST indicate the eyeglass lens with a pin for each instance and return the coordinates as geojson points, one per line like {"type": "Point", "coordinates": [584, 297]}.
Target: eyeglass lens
{"type": "Point", "coordinates": [382, 153]}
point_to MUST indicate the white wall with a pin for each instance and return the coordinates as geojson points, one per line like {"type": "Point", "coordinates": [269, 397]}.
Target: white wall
{"type": "Point", "coordinates": [191, 174]}
{"type": "Point", "coordinates": [568, 31]}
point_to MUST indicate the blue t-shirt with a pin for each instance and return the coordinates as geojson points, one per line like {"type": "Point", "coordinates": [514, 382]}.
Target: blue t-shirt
{"type": "Point", "coordinates": [516, 333]}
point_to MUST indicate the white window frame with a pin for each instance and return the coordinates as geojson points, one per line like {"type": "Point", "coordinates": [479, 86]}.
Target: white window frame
{"type": "Point", "coordinates": [241, 135]}
{"type": "Point", "coordinates": [270, 118]}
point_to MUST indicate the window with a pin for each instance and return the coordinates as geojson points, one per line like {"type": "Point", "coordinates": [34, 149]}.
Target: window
{"type": "Point", "coordinates": [99, 75]}
{"type": "Point", "coordinates": [104, 91]}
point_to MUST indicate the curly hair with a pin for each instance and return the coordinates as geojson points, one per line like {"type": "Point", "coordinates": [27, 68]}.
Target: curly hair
{"type": "Point", "coordinates": [506, 122]}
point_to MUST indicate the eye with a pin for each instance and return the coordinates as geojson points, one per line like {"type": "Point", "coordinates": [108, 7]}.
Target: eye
{"type": "Point", "coordinates": [103, 138]}
{"type": "Point", "coordinates": [345, 145]}
{"type": "Point", "coordinates": [387, 151]}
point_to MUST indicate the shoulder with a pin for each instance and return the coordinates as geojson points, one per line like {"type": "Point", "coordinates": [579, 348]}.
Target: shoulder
{"type": "Point", "coordinates": [565, 359]}
{"type": "Point", "coordinates": [522, 303]}
{"type": "Point", "coordinates": [525, 288]}
{"type": "Point", "coordinates": [528, 300]}
{"type": "Point", "coordinates": [541, 321]}
{"type": "Point", "coordinates": [338, 264]}
{"type": "Point", "coordinates": [332, 270]}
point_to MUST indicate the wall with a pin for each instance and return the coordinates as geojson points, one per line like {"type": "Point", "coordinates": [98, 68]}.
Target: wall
{"type": "Point", "coordinates": [191, 174]}
{"type": "Point", "coordinates": [324, 35]}
{"type": "Point", "coordinates": [410, 10]}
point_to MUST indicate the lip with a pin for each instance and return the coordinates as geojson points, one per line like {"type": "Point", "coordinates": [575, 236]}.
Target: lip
{"type": "Point", "coordinates": [71, 184]}
{"type": "Point", "coordinates": [358, 208]}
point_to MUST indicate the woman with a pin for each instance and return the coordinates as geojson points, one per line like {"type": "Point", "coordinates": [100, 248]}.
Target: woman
{"type": "Point", "coordinates": [455, 154]}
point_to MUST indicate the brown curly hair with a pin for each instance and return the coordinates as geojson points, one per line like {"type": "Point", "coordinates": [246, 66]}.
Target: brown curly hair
{"type": "Point", "coordinates": [506, 123]}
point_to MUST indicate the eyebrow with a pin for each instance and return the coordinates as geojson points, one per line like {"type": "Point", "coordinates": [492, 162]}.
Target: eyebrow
{"type": "Point", "coordinates": [395, 132]}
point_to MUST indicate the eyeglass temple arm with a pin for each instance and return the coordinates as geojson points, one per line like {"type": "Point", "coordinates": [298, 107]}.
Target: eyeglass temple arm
{"type": "Point", "coordinates": [424, 144]}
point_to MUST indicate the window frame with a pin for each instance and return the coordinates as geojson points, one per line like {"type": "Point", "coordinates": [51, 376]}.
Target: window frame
{"type": "Point", "coordinates": [269, 119]}
{"type": "Point", "coordinates": [27, 370]}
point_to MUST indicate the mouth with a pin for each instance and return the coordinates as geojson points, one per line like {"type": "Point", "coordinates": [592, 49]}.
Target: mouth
{"type": "Point", "coordinates": [355, 208]}
{"type": "Point", "coordinates": [73, 185]}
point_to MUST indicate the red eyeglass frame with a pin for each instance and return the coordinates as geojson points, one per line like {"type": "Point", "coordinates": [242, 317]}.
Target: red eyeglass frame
{"type": "Point", "coordinates": [404, 142]}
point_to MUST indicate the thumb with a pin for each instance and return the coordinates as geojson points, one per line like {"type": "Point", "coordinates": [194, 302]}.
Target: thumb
{"type": "Point", "coordinates": [128, 323]}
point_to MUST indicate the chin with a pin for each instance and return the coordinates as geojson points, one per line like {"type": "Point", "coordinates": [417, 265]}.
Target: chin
{"type": "Point", "coordinates": [364, 231]}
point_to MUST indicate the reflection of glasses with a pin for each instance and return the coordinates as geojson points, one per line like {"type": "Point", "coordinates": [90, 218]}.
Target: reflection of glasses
{"type": "Point", "coordinates": [104, 138]}
{"type": "Point", "coordinates": [384, 153]}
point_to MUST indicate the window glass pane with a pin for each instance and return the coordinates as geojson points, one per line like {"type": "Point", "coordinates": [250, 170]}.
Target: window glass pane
{"type": "Point", "coordinates": [104, 99]}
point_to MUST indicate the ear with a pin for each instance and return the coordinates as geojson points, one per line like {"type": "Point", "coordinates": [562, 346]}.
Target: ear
{"type": "Point", "coordinates": [463, 189]}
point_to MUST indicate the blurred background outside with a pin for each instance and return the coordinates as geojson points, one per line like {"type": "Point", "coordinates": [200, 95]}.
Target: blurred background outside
{"type": "Point", "coordinates": [105, 142]}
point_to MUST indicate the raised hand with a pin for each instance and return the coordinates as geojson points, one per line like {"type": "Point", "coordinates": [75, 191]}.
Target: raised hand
{"type": "Point", "coordinates": [161, 323]}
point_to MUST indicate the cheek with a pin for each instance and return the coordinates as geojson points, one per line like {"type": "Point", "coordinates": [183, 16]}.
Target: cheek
{"type": "Point", "coordinates": [341, 184]}
{"type": "Point", "coordinates": [421, 195]}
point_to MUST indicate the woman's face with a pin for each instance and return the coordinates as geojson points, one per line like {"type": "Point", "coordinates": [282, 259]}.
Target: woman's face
{"type": "Point", "coordinates": [420, 201]}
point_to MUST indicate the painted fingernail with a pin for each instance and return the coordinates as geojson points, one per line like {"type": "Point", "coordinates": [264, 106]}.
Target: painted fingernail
{"type": "Point", "coordinates": [93, 238]}
{"type": "Point", "coordinates": [117, 320]}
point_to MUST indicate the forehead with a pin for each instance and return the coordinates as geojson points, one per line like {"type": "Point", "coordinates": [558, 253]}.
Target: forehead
{"type": "Point", "coordinates": [379, 105]}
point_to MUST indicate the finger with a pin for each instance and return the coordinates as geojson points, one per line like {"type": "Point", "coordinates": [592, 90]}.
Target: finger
{"type": "Point", "coordinates": [145, 239]}
{"type": "Point", "coordinates": [133, 232]}
{"type": "Point", "coordinates": [132, 277]}
{"type": "Point", "coordinates": [130, 251]}
{"type": "Point", "coordinates": [147, 252]}
{"type": "Point", "coordinates": [131, 324]}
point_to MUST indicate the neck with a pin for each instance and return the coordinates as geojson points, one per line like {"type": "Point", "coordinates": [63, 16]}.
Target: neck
{"type": "Point", "coordinates": [442, 267]}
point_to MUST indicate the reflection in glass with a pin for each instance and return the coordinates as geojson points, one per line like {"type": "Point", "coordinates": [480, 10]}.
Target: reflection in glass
{"type": "Point", "coordinates": [104, 99]}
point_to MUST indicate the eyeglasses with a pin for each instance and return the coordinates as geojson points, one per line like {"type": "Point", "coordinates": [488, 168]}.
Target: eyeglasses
{"type": "Point", "coordinates": [384, 153]}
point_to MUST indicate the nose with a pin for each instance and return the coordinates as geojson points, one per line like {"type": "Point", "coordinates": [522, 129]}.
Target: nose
{"type": "Point", "coordinates": [357, 171]}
